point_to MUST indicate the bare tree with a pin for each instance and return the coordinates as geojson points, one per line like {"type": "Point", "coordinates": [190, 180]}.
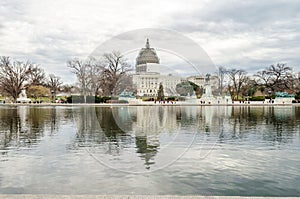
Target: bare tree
{"type": "Point", "coordinates": [54, 82]}
{"type": "Point", "coordinates": [249, 87]}
{"type": "Point", "coordinates": [81, 70]}
{"type": "Point", "coordinates": [125, 82]}
{"type": "Point", "coordinates": [69, 89]}
{"type": "Point", "coordinates": [36, 76]}
{"type": "Point", "coordinates": [238, 78]}
{"type": "Point", "coordinates": [115, 66]}
{"type": "Point", "coordinates": [13, 76]}
{"type": "Point", "coordinates": [104, 75]}
{"type": "Point", "coordinates": [95, 75]}
{"type": "Point", "coordinates": [276, 78]}
{"type": "Point", "coordinates": [88, 74]}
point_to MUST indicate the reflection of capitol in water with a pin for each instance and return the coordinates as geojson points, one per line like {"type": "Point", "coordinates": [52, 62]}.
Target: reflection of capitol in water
{"type": "Point", "coordinates": [154, 120]}
{"type": "Point", "coordinates": [147, 125]}
{"type": "Point", "coordinates": [183, 147]}
{"type": "Point", "coordinates": [144, 135]}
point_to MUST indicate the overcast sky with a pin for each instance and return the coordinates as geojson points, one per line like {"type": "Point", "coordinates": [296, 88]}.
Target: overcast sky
{"type": "Point", "coordinates": [237, 34]}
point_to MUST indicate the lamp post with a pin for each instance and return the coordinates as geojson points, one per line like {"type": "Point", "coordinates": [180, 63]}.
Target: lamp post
{"type": "Point", "coordinates": [52, 96]}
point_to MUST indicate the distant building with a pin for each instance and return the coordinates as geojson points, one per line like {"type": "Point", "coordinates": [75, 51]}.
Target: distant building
{"type": "Point", "coordinates": [148, 78]}
{"type": "Point", "coordinates": [200, 81]}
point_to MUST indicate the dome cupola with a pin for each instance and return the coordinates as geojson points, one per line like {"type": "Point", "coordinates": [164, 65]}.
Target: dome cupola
{"type": "Point", "coordinates": [147, 55]}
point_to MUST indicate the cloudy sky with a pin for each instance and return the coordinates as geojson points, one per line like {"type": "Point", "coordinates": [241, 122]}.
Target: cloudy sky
{"type": "Point", "coordinates": [237, 34]}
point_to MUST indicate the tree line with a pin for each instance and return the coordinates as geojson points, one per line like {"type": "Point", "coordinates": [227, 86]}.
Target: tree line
{"type": "Point", "coordinates": [272, 79]}
{"type": "Point", "coordinates": [18, 75]}
{"type": "Point", "coordinates": [105, 76]}
{"type": "Point", "coordinates": [109, 75]}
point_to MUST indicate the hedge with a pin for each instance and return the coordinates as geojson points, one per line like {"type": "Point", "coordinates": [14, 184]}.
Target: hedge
{"type": "Point", "coordinates": [89, 99]}
{"type": "Point", "coordinates": [257, 98]}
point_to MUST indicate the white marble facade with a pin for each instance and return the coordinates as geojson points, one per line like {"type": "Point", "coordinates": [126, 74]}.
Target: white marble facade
{"type": "Point", "coordinates": [148, 77]}
{"type": "Point", "coordinates": [148, 84]}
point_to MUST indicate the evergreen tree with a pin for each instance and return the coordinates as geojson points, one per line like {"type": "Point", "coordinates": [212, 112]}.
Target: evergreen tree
{"type": "Point", "coordinates": [160, 94]}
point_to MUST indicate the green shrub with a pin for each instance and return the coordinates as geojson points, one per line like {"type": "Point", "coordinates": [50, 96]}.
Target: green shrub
{"type": "Point", "coordinates": [97, 100]}
{"type": "Point", "coordinates": [257, 98]}
{"type": "Point", "coordinates": [148, 99]}
{"type": "Point", "coordinates": [171, 98]}
{"type": "Point", "coordinates": [271, 97]}
{"type": "Point", "coordinates": [117, 102]}
{"type": "Point", "coordinates": [297, 96]}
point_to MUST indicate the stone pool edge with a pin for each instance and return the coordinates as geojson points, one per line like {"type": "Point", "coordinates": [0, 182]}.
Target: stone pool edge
{"type": "Point", "coordinates": [146, 104]}
{"type": "Point", "coordinates": [27, 196]}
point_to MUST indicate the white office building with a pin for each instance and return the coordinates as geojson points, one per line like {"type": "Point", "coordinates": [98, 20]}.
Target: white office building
{"type": "Point", "coordinates": [199, 80]}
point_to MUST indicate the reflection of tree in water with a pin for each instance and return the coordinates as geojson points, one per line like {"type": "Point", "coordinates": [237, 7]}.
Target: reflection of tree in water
{"type": "Point", "coordinates": [10, 125]}
{"type": "Point", "coordinates": [188, 115]}
{"type": "Point", "coordinates": [276, 124]}
{"type": "Point", "coordinates": [118, 128]}
{"type": "Point", "coordinates": [117, 138]}
{"type": "Point", "coordinates": [116, 120]}
{"type": "Point", "coordinates": [24, 126]}
{"type": "Point", "coordinates": [212, 119]}
{"type": "Point", "coordinates": [283, 123]}
{"type": "Point", "coordinates": [146, 149]}
{"type": "Point", "coordinates": [87, 126]}
{"type": "Point", "coordinates": [124, 117]}
{"type": "Point", "coordinates": [18, 129]}
{"type": "Point", "coordinates": [96, 126]}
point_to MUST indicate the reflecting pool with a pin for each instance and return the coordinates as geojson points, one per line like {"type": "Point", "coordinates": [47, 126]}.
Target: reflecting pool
{"type": "Point", "coordinates": [177, 150]}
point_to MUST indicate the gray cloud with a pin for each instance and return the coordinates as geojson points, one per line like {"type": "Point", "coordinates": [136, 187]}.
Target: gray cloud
{"type": "Point", "coordinates": [253, 13]}
{"type": "Point", "coordinates": [12, 11]}
{"type": "Point", "coordinates": [267, 31]}
{"type": "Point", "coordinates": [235, 15]}
{"type": "Point", "coordinates": [246, 34]}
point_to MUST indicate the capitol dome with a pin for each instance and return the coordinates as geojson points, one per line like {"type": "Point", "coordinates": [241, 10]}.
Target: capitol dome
{"type": "Point", "coordinates": [147, 55]}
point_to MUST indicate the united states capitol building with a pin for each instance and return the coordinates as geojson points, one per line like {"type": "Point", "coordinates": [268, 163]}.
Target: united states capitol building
{"type": "Point", "coordinates": [148, 75]}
